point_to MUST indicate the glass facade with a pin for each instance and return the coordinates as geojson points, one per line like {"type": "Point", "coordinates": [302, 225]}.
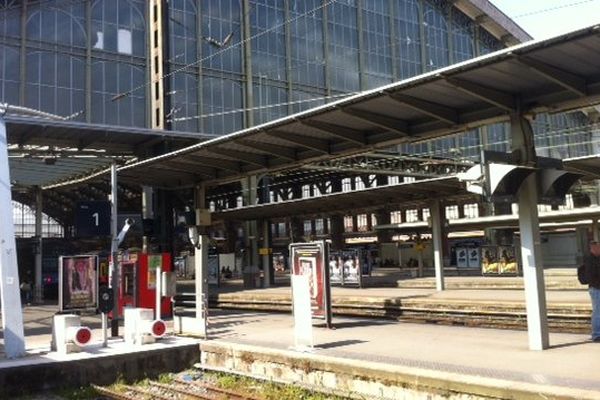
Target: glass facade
{"type": "Point", "coordinates": [77, 57]}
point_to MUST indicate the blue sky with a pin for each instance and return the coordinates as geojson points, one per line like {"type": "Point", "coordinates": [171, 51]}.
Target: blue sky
{"type": "Point", "coordinates": [576, 14]}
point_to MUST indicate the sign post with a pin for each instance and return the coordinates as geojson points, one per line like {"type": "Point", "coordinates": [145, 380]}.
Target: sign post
{"type": "Point", "coordinates": [105, 305]}
{"type": "Point", "coordinates": [12, 315]}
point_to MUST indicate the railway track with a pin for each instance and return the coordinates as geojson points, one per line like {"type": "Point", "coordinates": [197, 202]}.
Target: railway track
{"type": "Point", "coordinates": [176, 390]}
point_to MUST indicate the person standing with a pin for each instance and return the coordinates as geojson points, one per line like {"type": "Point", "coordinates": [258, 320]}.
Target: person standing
{"type": "Point", "coordinates": [589, 273]}
{"type": "Point", "coordinates": [26, 292]}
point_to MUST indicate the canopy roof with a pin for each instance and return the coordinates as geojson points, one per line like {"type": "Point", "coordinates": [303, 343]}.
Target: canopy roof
{"type": "Point", "coordinates": [44, 151]}
{"type": "Point", "coordinates": [557, 74]}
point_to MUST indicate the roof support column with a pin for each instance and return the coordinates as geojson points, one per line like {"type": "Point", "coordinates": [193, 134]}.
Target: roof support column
{"type": "Point", "coordinates": [249, 189]}
{"type": "Point", "coordinates": [147, 214]}
{"type": "Point", "coordinates": [201, 265]}
{"type": "Point", "coordinates": [267, 259]}
{"type": "Point", "coordinates": [337, 232]}
{"type": "Point", "coordinates": [38, 292]}
{"type": "Point", "coordinates": [595, 235]}
{"type": "Point", "coordinates": [12, 315]}
{"type": "Point", "coordinates": [114, 248]}
{"type": "Point", "coordinates": [437, 230]}
{"type": "Point", "coordinates": [531, 257]}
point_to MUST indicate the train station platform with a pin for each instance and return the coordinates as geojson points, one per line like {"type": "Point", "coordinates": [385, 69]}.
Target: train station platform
{"type": "Point", "coordinates": [367, 358]}
{"type": "Point", "coordinates": [383, 356]}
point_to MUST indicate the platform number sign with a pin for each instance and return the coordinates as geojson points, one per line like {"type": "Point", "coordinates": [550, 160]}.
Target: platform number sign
{"type": "Point", "coordinates": [92, 218]}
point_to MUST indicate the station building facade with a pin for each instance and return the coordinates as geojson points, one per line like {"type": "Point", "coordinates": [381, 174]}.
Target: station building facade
{"type": "Point", "coordinates": [231, 64]}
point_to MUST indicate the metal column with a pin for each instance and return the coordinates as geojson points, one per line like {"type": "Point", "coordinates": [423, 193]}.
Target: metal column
{"type": "Point", "coordinates": [38, 293]}
{"type": "Point", "coordinates": [531, 258]}
{"type": "Point", "coordinates": [437, 231]}
{"type": "Point", "coordinates": [147, 213]}
{"type": "Point", "coordinates": [12, 315]}
{"type": "Point", "coordinates": [114, 248]}
{"type": "Point", "coordinates": [201, 266]}
{"type": "Point", "coordinates": [267, 256]}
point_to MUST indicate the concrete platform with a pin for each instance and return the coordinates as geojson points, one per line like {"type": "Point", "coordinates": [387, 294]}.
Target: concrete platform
{"type": "Point", "coordinates": [385, 359]}
{"type": "Point", "coordinates": [42, 370]}
{"type": "Point", "coordinates": [362, 357]}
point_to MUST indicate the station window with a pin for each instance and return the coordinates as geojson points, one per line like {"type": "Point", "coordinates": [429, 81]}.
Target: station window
{"type": "Point", "coordinates": [361, 221]}
{"type": "Point", "coordinates": [471, 210]}
{"type": "Point", "coordinates": [348, 224]}
{"type": "Point", "coordinates": [396, 217]}
{"type": "Point", "coordinates": [412, 215]}
{"type": "Point", "coordinates": [452, 212]}
{"type": "Point", "coordinates": [319, 226]}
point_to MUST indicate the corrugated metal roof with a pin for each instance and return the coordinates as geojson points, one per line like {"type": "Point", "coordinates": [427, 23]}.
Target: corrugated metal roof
{"type": "Point", "coordinates": [557, 74]}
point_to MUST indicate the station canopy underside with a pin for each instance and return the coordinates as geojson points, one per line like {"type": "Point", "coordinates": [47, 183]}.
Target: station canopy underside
{"type": "Point", "coordinates": [411, 194]}
{"type": "Point", "coordinates": [557, 74]}
{"type": "Point", "coordinates": [44, 152]}
{"type": "Point", "coordinates": [548, 219]}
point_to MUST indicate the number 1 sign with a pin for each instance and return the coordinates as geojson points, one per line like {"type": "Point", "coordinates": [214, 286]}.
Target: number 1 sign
{"type": "Point", "coordinates": [92, 218]}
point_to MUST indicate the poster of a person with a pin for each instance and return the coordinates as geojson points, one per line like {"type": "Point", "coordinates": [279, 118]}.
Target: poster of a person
{"type": "Point", "coordinates": [351, 270]}
{"type": "Point", "coordinates": [335, 277]}
{"type": "Point", "coordinates": [78, 282]}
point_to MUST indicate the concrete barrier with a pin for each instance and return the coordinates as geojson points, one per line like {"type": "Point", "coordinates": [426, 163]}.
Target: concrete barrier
{"type": "Point", "coordinates": [39, 375]}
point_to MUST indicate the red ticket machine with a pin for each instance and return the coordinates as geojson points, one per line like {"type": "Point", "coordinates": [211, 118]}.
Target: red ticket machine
{"type": "Point", "coordinates": [137, 283]}
{"type": "Point", "coordinates": [148, 264]}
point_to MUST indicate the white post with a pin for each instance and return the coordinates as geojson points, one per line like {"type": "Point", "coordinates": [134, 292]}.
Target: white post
{"type": "Point", "coordinates": [114, 248]}
{"type": "Point", "coordinates": [158, 291]}
{"type": "Point", "coordinates": [201, 266]}
{"type": "Point", "coordinates": [529, 227]}
{"type": "Point", "coordinates": [595, 235]}
{"type": "Point", "coordinates": [437, 231]}
{"type": "Point", "coordinates": [12, 314]}
{"type": "Point", "coordinates": [533, 272]}
{"type": "Point", "coordinates": [38, 255]}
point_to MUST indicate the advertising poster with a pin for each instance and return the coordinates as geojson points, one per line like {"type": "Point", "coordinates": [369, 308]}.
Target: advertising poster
{"type": "Point", "coordinates": [507, 263]}
{"type": "Point", "coordinates": [489, 260]}
{"type": "Point", "coordinates": [345, 268]}
{"type": "Point", "coordinates": [213, 269]}
{"type": "Point", "coordinates": [79, 283]}
{"type": "Point", "coordinates": [154, 262]}
{"type": "Point", "coordinates": [309, 259]}
{"type": "Point", "coordinates": [335, 270]}
{"type": "Point", "coordinates": [462, 260]}
{"type": "Point", "coordinates": [474, 260]}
